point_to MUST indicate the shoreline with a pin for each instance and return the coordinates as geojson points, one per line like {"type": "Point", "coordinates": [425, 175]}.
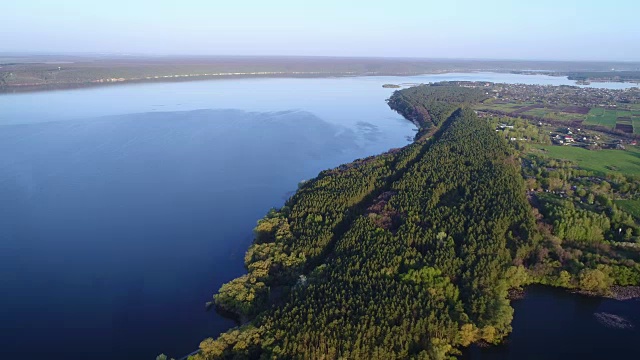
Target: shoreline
{"type": "Point", "coordinates": [28, 88]}
{"type": "Point", "coordinates": [625, 292]}
{"type": "Point", "coordinates": [31, 88]}
{"type": "Point", "coordinates": [616, 292]}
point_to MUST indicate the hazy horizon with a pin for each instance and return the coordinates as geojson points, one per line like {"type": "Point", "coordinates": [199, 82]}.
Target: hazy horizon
{"type": "Point", "coordinates": [465, 30]}
{"type": "Point", "coordinates": [124, 55]}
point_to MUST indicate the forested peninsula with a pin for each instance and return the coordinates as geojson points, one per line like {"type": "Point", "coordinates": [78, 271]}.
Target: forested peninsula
{"type": "Point", "coordinates": [413, 253]}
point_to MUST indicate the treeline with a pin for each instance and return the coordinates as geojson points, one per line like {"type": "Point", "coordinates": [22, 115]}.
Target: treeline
{"type": "Point", "coordinates": [409, 254]}
{"type": "Point", "coordinates": [428, 106]}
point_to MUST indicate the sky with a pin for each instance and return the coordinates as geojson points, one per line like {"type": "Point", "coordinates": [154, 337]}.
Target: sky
{"type": "Point", "coordinates": [487, 29]}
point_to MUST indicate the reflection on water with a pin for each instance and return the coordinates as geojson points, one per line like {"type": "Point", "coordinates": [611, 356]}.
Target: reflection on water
{"type": "Point", "coordinates": [116, 230]}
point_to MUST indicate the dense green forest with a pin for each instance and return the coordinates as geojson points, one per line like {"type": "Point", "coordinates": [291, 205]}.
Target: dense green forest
{"type": "Point", "coordinates": [430, 106]}
{"type": "Point", "coordinates": [406, 254]}
{"type": "Point", "coordinates": [412, 253]}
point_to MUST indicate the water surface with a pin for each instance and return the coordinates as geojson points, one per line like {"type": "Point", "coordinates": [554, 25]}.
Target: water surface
{"type": "Point", "coordinates": [554, 324]}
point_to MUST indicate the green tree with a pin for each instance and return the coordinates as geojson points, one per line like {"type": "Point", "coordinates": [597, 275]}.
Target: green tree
{"type": "Point", "coordinates": [594, 280]}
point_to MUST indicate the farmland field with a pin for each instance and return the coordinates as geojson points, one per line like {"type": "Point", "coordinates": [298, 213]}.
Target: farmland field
{"type": "Point", "coordinates": [601, 161]}
{"type": "Point", "coordinates": [553, 114]}
{"type": "Point", "coordinates": [498, 106]}
{"type": "Point", "coordinates": [558, 112]}
{"type": "Point", "coordinates": [636, 125]}
{"type": "Point", "coordinates": [604, 117]}
{"type": "Point", "coordinates": [539, 112]}
{"type": "Point", "coordinates": [625, 124]}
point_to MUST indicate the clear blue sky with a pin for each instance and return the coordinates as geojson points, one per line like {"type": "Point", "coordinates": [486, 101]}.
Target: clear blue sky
{"type": "Point", "coordinates": [498, 29]}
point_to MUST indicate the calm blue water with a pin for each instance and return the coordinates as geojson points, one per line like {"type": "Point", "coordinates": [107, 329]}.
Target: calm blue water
{"type": "Point", "coordinates": [124, 208]}
{"type": "Point", "coordinates": [553, 324]}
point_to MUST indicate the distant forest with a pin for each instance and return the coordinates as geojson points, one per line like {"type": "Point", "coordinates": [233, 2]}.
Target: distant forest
{"type": "Point", "coordinates": [44, 72]}
{"type": "Point", "coordinates": [633, 76]}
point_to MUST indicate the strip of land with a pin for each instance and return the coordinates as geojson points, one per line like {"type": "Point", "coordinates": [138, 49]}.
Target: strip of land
{"type": "Point", "coordinates": [48, 72]}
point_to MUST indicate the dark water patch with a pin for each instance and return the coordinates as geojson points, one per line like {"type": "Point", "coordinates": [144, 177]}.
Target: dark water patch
{"type": "Point", "coordinates": [554, 324]}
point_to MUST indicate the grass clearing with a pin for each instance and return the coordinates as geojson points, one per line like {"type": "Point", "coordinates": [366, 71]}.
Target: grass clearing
{"type": "Point", "coordinates": [531, 109]}
{"type": "Point", "coordinates": [554, 114]}
{"type": "Point", "coordinates": [508, 108]}
{"type": "Point", "coordinates": [600, 161]}
{"type": "Point", "coordinates": [636, 125]}
{"type": "Point", "coordinates": [630, 206]}
{"type": "Point", "coordinates": [540, 112]}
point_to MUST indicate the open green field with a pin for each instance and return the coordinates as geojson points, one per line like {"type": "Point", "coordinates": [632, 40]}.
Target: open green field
{"type": "Point", "coordinates": [552, 114]}
{"type": "Point", "coordinates": [538, 112]}
{"type": "Point", "coordinates": [499, 106]}
{"type": "Point", "coordinates": [636, 125]}
{"type": "Point", "coordinates": [541, 112]}
{"type": "Point", "coordinates": [601, 161]}
{"type": "Point", "coordinates": [630, 206]}
{"type": "Point", "coordinates": [604, 117]}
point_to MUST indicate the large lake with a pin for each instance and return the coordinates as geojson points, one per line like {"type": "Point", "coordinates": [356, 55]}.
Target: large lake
{"type": "Point", "coordinates": [124, 208]}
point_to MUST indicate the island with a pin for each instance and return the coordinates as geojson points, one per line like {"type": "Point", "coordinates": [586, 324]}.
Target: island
{"type": "Point", "coordinates": [625, 75]}
{"type": "Point", "coordinates": [418, 252]}
{"type": "Point", "coordinates": [605, 76]}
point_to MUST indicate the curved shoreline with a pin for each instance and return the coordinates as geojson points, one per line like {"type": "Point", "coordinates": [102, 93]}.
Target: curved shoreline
{"type": "Point", "coordinates": [625, 292]}
{"type": "Point", "coordinates": [616, 292]}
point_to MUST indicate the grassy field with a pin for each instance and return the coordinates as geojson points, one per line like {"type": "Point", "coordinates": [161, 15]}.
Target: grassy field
{"type": "Point", "coordinates": [636, 125]}
{"type": "Point", "coordinates": [554, 115]}
{"type": "Point", "coordinates": [538, 112]}
{"type": "Point", "coordinates": [499, 107]}
{"type": "Point", "coordinates": [604, 117]}
{"type": "Point", "coordinates": [541, 112]}
{"type": "Point", "coordinates": [630, 206]}
{"type": "Point", "coordinates": [601, 161]}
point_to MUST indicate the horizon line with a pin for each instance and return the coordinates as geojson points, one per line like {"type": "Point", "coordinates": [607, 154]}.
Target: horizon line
{"type": "Point", "coordinates": [165, 55]}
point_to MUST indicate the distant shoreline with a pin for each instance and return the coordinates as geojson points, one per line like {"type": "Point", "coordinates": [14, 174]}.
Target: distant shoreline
{"type": "Point", "coordinates": [46, 73]}
{"type": "Point", "coordinates": [30, 88]}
